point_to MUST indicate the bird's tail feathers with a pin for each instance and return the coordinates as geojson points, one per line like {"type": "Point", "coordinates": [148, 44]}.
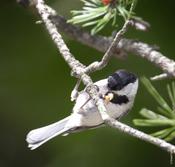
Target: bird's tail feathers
{"type": "Point", "coordinates": [37, 137]}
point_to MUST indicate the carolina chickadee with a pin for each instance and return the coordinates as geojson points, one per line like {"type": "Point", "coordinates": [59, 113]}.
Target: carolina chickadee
{"type": "Point", "coordinates": [118, 92]}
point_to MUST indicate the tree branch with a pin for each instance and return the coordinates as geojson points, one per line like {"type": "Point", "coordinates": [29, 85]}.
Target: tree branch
{"type": "Point", "coordinates": [148, 52]}
{"type": "Point", "coordinates": [141, 135]}
{"type": "Point", "coordinates": [125, 45]}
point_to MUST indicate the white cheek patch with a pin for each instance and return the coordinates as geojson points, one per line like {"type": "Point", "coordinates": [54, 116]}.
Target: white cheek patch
{"type": "Point", "coordinates": [129, 90]}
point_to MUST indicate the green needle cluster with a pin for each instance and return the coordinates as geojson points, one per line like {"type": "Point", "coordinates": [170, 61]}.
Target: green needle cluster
{"type": "Point", "coordinates": [165, 115]}
{"type": "Point", "coordinates": [96, 14]}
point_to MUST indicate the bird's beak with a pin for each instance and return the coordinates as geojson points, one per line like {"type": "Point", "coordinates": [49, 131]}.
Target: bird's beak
{"type": "Point", "coordinates": [108, 97]}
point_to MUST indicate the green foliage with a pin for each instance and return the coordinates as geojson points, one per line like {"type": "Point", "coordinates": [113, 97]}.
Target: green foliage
{"type": "Point", "coordinates": [97, 14]}
{"type": "Point", "coordinates": [165, 115]}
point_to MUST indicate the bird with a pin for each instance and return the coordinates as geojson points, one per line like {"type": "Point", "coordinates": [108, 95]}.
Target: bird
{"type": "Point", "coordinates": [118, 93]}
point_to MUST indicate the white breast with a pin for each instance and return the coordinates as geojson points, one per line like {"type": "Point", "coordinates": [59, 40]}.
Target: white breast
{"type": "Point", "coordinates": [88, 114]}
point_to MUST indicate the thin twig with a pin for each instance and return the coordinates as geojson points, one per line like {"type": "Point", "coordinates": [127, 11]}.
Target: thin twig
{"type": "Point", "coordinates": [99, 65]}
{"type": "Point", "coordinates": [74, 93]}
{"type": "Point", "coordinates": [140, 24]}
{"type": "Point", "coordinates": [79, 69]}
{"type": "Point", "coordinates": [161, 77]}
{"type": "Point", "coordinates": [97, 42]}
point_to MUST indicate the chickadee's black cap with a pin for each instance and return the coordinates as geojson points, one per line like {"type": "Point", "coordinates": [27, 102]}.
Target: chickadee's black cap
{"type": "Point", "coordinates": [120, 79]}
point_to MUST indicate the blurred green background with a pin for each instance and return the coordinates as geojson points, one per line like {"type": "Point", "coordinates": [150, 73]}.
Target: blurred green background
{"type": "Point", "coordinates": [35, 87]}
